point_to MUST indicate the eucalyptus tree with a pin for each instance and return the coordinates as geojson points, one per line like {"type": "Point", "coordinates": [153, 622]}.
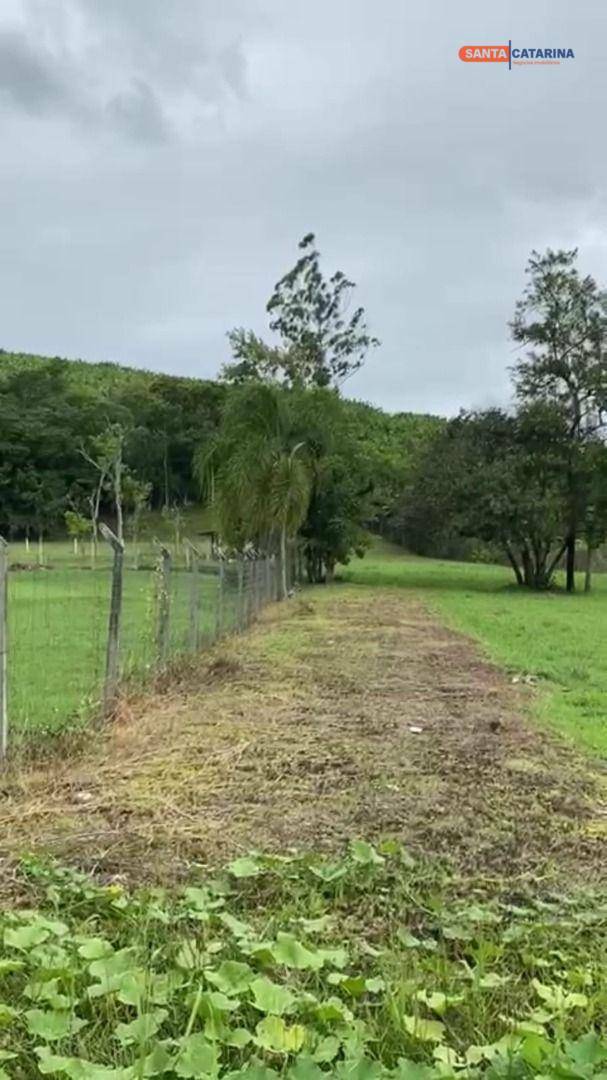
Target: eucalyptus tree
{"type": "Point", "coordinates": [320, 342]}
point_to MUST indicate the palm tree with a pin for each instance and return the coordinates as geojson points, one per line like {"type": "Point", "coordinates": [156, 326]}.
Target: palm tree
{"type": "Point", "coordinates": [256, 471]}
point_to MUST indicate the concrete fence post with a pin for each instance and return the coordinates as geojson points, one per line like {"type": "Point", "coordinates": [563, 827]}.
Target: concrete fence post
{"type": "Point", "coordinates": [3, 648]}
{"type": "Point", "coordinates": [240, 599]}
{"type": "Point", "coordinates": [193, 564]}
{"type": "Point", "coordinates": [164, 605]}
{"type": "Point", "coordinates": [112, 662]}
{"type": "Point", "coordinates": [219, 601]}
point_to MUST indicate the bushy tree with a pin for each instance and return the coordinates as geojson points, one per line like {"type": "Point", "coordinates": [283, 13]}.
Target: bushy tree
{"type": "Point", "coordinates": [562, 317]}
{"type": "Point", "coordinates": [498, 478]}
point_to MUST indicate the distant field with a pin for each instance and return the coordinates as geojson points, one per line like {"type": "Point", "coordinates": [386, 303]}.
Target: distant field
{"type": "Point", "coordinates": [558, 639]}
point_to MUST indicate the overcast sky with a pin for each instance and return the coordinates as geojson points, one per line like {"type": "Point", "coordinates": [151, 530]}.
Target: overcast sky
{"type": "Point", "coordinates": [160, 160]}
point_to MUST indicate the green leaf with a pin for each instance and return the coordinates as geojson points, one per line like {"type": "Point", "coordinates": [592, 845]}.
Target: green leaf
{"type": "Point", "coordinates": [197, 1057]}
{"type": "Point", "coordinates": [7, 1014]}
{"type": "Point", "coordinates": [327, 1049]}
{"type": "Point", "coordinates": [329, 871]}
{"type": "Point", "coordinates": [238, 1037]}
{"type": "Point", "coordinates": [491, 980]}
{"type": "Point", "coordinates": [273, 1034]}
{"type": "Point", "coordinates": [365, 854]}
{"type": "Point", "coordinates": [238, 928]}
{"type": "Point", "coordinates": [47, 990]}
{"type": "Point", "coordinates": [289, 952]}
{"type": "Point", "coordinates": [410, 1070]}
{"type": "Point", "coordinates": [95, 948]}
{"type": "Point", "coordinates": [437, 1001]}
{"type": "Point", "coordinates": [333, 1009]}
{"type": "Point", "coordinates": [354, 985]}
{"type": "Point", "coordinates": [26, 937]}
{"type": "Point", "coordinates": [271, 998]}
{"type": "Point", "coordinates": [77, 1068]}
{"type": "Point", "coordinates": [588, 1050]}
{"type": "Point", "coordinates": [141, 1030]}
{"type": "Point", "coordinates": [246, 867]}
{"type": "Point", "coordinates": [52, 1024]}
{"type": "Point", "coordinates": [115, 964]}
{"type": "Point", "coordinates": [231, 977]}
{"type": "Point", "coordinates": [362, 1069]}
{"type": "Point", "coordinates": [305, 1068]}
{"type": "Point", "coordinates": [424, 1030]}
{"type": "Point", "coordinates": [6, 966]}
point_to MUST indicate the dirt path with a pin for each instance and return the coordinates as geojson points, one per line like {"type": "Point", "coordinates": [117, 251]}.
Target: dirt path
{"type": "Point", "coordinates": [306, 732]}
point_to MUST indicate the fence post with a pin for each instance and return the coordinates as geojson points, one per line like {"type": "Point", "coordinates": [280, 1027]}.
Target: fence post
{"type": "Point", "coordinates": [193, 564]}
{"type": "Point", "coordinates": [164, 605]}
{"type": "Point", "coordinates": [268, 588]}
{"type": "Point", "coordinates": [112, 662]}
{"type": "Point", "coordinates": [240, 600]}
{"type": "Point", "coordinates": [219, 602]}
{"type": "Point", "coordinates": [3, 647]}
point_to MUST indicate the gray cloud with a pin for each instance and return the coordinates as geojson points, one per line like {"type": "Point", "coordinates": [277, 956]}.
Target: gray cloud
{"type": "Point", "coordinates": [138, 113]}
{"type": "Point", "coordinates": [28, 78]}
{"type": "Point", "coordinates": [161, 161]}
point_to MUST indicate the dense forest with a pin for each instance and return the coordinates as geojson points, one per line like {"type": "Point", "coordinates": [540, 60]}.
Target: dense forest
{"type": "Point", "coordinates": [55, 414]}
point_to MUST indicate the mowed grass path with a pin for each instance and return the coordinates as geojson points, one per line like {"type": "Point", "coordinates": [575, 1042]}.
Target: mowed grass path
{"type": "Point", "coordinates": [558, 639]}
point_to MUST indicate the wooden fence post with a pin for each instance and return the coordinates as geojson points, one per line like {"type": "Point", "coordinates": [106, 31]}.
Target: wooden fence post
{"type": "Point", "coordinates": [3, 647]}
{"type": "Point", "coordinates": [112, 663]}
{"type": "Point", "coordinates": [164, 605]}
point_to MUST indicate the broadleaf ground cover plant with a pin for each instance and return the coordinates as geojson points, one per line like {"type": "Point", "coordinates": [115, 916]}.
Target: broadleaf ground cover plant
{"type": "Point", "coordinates": [368, 965]}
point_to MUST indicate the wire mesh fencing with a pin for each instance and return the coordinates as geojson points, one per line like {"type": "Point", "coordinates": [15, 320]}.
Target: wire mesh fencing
{"type": "Point", "coordinates": [74, 634]}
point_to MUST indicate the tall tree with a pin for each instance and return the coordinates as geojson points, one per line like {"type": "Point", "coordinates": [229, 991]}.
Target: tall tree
{"type": "Point", "coordinates": [320, 343]}
{"type": "Point", "coordinates": [563, 318]}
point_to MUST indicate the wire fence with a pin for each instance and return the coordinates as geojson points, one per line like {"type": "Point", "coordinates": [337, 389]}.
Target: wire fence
{"type": "Point", "coordinates": [75, 633]}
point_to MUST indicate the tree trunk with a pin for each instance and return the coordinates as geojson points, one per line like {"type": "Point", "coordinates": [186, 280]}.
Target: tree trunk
{"type": "Point", "coordinates": [283, 561]}
{"type": "Point", "coordinates": [528, 575]}
{"type": "Point", "coordinates": [515, 566]}
{"type": "Point", "coordinates": [570, 564]}
{"type": "Point", "coordinates": [588, 573]}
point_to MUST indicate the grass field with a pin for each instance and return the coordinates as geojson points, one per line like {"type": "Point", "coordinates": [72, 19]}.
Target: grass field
{"type": "Point", "coordinates": [558, 640]}
{"type": "Point", "coordinates": [58, 617]}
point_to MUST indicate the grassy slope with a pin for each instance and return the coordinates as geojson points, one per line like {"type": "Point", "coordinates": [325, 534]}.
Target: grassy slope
{"type": "Point", "coordinates": [557, 638]}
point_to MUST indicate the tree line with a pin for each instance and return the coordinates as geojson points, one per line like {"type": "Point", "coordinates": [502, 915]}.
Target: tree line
{"type": "Point", "coordinates": [277, 453]}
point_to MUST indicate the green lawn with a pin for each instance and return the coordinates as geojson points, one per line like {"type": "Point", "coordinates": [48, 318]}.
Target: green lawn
{"type": "Point", "coordinates": [57, 624]}
{"type": "Point", "coordinates": [557, 638]}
